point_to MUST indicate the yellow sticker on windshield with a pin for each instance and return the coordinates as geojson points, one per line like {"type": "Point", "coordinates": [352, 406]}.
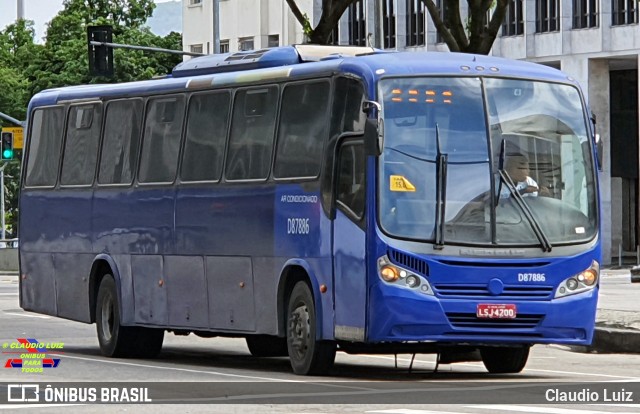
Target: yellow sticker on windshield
{"type": "Point", "coordinates": [400, 183]}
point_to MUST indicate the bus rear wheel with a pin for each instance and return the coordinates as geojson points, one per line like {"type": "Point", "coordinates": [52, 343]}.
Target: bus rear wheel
{"type": "Point", "coordinates": [504, 360]}
{"type": "Point", "coordinates": [266, 346]}
{"type": "Point", "coordinates": [308, 355]}
{"type": "Point", "coordinates": [122, 341]}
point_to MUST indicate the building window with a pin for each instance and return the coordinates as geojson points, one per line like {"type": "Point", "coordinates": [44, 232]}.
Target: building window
{"type": "Point", "coordinates": [273, 41]}
{"type": "Point", "coordinates": [547, 12]}
{"type": "Point", "coordinates": [624, 12]}
{"type": "Point", "coordinates": [389, 22]}
{"type": "Point", "coordinates": [443, 16]}
{"type": "Point", "coordinates": [224, 46]}
{"type": "Point", "coordinates": [513, 24]}
{"type": "Point", "coordinates": [194, 2]}
{"type": "Point", "coordinates": [245, 43]}
{"type": "Point", "coordinates": [415, 22]}
{"type": "Point", "coordinates": [585, 14]}
{"type": "Point", "coordinates": [196, 48]}
{"type": "Point", "coordinates": [357, 24]}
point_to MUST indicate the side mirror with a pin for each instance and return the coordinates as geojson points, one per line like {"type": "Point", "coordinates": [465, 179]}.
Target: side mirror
{"type": "Point", "coordinates": [374, 128]}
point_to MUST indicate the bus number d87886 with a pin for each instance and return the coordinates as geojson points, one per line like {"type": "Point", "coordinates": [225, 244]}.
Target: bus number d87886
{"type": "Point", "coordinates": [298, 226]}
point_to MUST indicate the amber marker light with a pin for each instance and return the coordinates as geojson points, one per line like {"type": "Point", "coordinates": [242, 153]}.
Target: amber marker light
{"type": "Point", "coordinates": [396, 91]}
{"type": "Point", "coordinates": [389, 273]}
{"type": "Point", "coordinates": [396, 99]}
{"type": "Point", "coordinates": [413, 92]}
{"type": "Point", "coordinates": [323, 288]}
{"type": "Point", "coordinates": [447, 93]}
{"type": "Point", "coordinates": [430, 101]}
{"type": "Point", "coordinates": [430, 93]}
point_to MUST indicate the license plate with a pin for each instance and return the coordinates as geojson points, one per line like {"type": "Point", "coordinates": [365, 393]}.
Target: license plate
{"type": "Point", "coordinates": [496, 311]}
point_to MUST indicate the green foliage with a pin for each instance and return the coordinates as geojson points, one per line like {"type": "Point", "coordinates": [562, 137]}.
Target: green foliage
{"type": "Point", "coordinates": [27, 68]}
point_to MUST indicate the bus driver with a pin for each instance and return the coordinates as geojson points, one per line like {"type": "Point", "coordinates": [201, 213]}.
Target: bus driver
{"type": "Point", "coordinates": [517, 167]}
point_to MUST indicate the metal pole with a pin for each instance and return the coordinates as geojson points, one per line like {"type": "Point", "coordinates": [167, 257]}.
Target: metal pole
{"type": "Point", "coordinates": [216, 26]}
{"type": "Point", "coordinates": [20, 9]}
{"type": "Point", "coordinates": [145, 48]}
{"type": "Point", "coordinates": [2, 197]}
{"type": "Point", "coordinates": [620, 255]}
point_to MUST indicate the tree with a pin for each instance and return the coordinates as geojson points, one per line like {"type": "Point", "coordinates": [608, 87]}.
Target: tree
{"type": "Point", "coordinates": [478, 35]}
{"type": "Point", "coordinates": [332, 10]}
{"type": "Point", "coordinates": [475, 36]}
{"type": "Point", "coordinates": [27, 68]}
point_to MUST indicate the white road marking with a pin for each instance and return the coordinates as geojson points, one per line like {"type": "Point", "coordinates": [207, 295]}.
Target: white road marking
{"type": "Point", "coordinates": [27, 315]}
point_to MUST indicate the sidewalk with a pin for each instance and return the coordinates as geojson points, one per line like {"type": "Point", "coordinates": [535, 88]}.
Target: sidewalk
{"type": "Point", "coordinates": [618, 315]}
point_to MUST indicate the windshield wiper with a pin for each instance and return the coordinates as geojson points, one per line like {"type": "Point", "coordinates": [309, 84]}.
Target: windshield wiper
{"type": "Point", "coordinates": [441, 191]}
{"type": "Point", "coordinates": [508, 181]}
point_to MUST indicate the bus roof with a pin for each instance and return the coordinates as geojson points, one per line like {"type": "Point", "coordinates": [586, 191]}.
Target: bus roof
{"type": "Point", "coordinates": [303, 61]}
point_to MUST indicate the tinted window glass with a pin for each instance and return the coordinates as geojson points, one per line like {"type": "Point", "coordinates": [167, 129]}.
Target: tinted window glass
{"type": "Point", "coordinates": [347, 107]}
{"type": "Point", "coordinates": [81, 146]}
{"type": "Point", "coordinates": [161, 144]}
{"type": "Point", "coordinates": [206, 137]}
{"type": "Point", "coordinates": [351, 178]}
{"type": "Point", "coordinates": [44, 147]}
{"type": "Point", "coordinates": [252, 128]}
{"type": "Point", "coordinates": [121, 142]}
{"type": "Point", "coordinates": [301, 135]}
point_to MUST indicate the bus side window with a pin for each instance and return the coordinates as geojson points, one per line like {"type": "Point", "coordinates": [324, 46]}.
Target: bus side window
{"type": "Point", "coordinates": [351, 178]}
{"type": "Point", "coordinates": [81, 146]}
{"type": "Point", "coordinates": [302, 131]}
{"type": "Point", "coordinates": [252, 133]}
{"type": "Point", "coordinates": [121, 141]}
{"type": "Point", "coordinates": [206, 136]}
{"type": "Point", "coordinates": [44, 143]}
{"type": "Point", "coordinates": [161, 142]}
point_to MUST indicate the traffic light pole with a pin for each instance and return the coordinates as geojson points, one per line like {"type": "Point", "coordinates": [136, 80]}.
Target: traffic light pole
{"type": "Point", "coordinates": [12, 120]}
{"type": "Point", "coordinates": [2, 199]}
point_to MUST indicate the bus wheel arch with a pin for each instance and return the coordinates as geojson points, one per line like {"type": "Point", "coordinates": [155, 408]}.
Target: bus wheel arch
{"type": "Point", "coordinates": [115, 339]}
{"type": "Point", "coordinates": [99, 269]}
{"type": "Point", "coordinates": [290, 275]}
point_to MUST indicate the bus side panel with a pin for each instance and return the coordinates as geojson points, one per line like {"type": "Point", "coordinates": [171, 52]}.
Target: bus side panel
{"type": "Point", "coordinates": [72, 285]}
{"type": "Point", "coordinates": [266, 278]}
{"type": "Point", "coordinates": [37, 284]}
{"type": "Point", "coordinates": [149, 290]}
{"type": "Point", "coordinates": [230, 284]}
{"type": "Point", "coordinates": [186, 291]}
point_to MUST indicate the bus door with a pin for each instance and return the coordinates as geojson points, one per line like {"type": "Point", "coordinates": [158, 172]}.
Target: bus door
{"type": "Point", "coordinates": [349, 243]}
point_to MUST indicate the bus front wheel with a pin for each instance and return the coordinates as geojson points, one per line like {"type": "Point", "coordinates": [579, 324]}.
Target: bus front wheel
{"type": "Point", "coordinates": [504, 360]}
{"type": "Point", "coordinates": [308, 355]}
{"type": "Point", "coordinates": [122, 341]}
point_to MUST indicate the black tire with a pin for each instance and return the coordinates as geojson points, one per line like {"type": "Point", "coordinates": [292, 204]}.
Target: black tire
{"type": "Point", "coordinates": [266, 346]}
{"type": "Point", "coordinates": [122, 341]}
{"type": "Point", "coordinates": [504, 360]}
{"type": "Point", "coordinates": [308, 356]}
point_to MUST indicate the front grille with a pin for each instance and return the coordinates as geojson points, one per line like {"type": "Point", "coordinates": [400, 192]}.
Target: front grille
{"type": "Point", "coordinates": [470, 320]}
{"type": "Point", "coordinates": [455, 291]}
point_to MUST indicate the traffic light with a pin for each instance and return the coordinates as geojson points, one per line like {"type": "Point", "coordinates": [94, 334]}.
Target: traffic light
{"type": "Point", "coordinates": [7, 145]}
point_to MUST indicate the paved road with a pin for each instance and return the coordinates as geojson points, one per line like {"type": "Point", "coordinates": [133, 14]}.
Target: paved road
{"type": "Point", "coordinates": [365, 379]}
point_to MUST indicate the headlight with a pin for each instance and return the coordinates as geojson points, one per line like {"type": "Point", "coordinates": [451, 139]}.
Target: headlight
{"type": "Point", "coordinates": [581, 282]}
{"type": "Point", "coordinates": [398, 276]}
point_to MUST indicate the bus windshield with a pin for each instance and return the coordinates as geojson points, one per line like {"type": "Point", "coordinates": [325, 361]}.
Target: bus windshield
{"type": "Point", "coordinates": [518, 167]}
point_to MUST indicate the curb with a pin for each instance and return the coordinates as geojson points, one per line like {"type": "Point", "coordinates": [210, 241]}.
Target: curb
{"type": "Point", "coordinates": [613, 341]}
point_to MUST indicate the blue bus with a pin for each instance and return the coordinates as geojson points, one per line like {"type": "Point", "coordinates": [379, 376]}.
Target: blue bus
{"type": "Point", "coordinates": [313, 199]}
